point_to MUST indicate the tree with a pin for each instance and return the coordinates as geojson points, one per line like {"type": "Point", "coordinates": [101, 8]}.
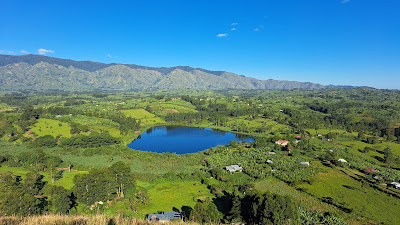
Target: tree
{"type": "Point", "coordinates": [45, 141]}
{"type": "Point", "coordinates": [235, 212]}
{"type": "Point", "coordinates": [34, 183]}
{"type": "Point", "coordinates": [104, 184]}
{"type": "Point", "coordinates": [123, 177]}
{"type": "Point", "coordinates": [388, 157]}
{"type": "Point", "coordinates": [52, 169]}
{"type": "Point", "coordinates": [269, 208]}
{"type": "Point", "coordinates": [60, 200]}
{"type": "Point", "coordinates": [22, 198]}
{"type": "Point", "coordinates": [206, 212]}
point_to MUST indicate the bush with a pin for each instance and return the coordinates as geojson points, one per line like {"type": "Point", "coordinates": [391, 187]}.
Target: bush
{"type": "Point", "coordinates": [45, 141]}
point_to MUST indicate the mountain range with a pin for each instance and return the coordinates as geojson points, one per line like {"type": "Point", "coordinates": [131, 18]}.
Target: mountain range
{"type": "Point", "coordinates": [41, 73]}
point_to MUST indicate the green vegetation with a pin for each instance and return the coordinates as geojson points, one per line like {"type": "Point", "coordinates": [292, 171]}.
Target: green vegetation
{"type": "Point", "coordinates": [167, 195]}
{"type": "Point", "coordinates": [51, 127]}
{"type": "Point", "coordinates": [145, 117]}
{"type": "Point", "coordinates": [66, 153]}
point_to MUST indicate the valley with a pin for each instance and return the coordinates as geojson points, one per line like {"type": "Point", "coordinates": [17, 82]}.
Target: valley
{"type": "Point", "coordinates": [58, 143]}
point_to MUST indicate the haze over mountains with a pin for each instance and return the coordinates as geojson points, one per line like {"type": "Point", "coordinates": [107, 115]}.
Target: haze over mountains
{"type": "Point", "coordinates": [36, 72]}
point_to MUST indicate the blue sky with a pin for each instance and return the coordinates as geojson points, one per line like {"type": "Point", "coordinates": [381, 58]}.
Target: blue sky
{"type": "Point", "coordinates": [351, 42]}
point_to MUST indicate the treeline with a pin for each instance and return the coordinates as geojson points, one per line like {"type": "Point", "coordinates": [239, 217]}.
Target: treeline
{"type": "Point", "coordinates": [217, 113]}
{"type": "Point", "coordinates": [94, 139]}
{"type": "Point", "coordinates": [125, 123]}
{"type": "Point", "coordinates": [36, 160]}
{"type": "Point", "coordinates": [380, 125]}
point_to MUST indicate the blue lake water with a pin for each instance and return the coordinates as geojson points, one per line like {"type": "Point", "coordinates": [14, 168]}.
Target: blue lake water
{"type": "Point", "coordinates": [182, 140]}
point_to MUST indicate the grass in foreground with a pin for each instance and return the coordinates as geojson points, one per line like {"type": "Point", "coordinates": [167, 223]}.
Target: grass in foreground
{"type": "Point", "coordinates": [69, 220]}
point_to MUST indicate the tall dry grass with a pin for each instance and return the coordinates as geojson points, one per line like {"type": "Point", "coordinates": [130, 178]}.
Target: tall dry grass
{"type": "Point", "coordinates": [76, 220]}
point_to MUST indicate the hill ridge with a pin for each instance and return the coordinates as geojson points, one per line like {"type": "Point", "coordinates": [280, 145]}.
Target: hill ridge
{"type": "Point", "coordinates": [71, 75]}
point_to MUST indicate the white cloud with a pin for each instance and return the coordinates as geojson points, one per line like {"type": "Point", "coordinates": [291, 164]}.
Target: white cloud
{"type": "Point", "coordinates": [234, 24]}
{"type": "Point", "coordinates": [345, 1]}
{"type": "Point", "coordinates": [233, 29]}
{"type": "Point", "coordinates": [24, 52]}
{"type": "Point", "coordinates": [110, 56]}
{"type": "Point", "coordinates": [43, 51]}
{"type": "Point", "coordinates": [7, 52]}
{"type": "Point", "coordinates": [256, 30]}
{"type": "Point", "coordinates": [222, 35]}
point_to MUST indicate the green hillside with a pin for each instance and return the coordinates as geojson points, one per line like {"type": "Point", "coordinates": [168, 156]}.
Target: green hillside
{"type": "Point", "coordinates": [39, 73]}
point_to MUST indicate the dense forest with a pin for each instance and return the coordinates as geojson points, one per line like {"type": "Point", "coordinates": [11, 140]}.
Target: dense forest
{"type": "Point", "coordinates": [329, 156]}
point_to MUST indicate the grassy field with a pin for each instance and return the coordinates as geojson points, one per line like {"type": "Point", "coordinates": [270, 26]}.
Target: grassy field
{"type": "Point", "coordinates": [166, 195]}
{"type": "Point", "coordinates": [349, 193]}
{"type": "Point", "coordinates": [111, 130]}
{"type": "Point", "coordinates": [276, 186]}
{"type": "Point", "coordinates": [93, 121]}
{"type": "Point", "coordinates": [145, 117]}
{"type": "Point", "coordinates": [179, 108]}
{"type": "Point", "coordinates": [66, 181]}
{"type": "Point", "coordinates": [18, 171]}
{"type": "Point", "coordinates": [51, 127]}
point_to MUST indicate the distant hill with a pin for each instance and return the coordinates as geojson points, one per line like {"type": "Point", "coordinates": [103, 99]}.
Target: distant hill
{"type": "Point", "coordinates": [36, 72]}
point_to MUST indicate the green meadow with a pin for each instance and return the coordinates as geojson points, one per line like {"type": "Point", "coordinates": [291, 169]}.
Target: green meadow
{"type": "Point", "coordinates": [65, 181]}
{"type": "Point", "coordinates": [145, 117]}
{"type": "Point", "coordinates": [166, 195]}
{"type": "Point", "coordinates": [51, 127]}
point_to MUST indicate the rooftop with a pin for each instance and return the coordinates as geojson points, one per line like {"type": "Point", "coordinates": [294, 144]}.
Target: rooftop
{"type": "Point", "coordinates": [233, 168]}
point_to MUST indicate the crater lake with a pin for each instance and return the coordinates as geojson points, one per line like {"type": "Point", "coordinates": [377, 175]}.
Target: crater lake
{"type": "Point", "coordinates": [182, 140]}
